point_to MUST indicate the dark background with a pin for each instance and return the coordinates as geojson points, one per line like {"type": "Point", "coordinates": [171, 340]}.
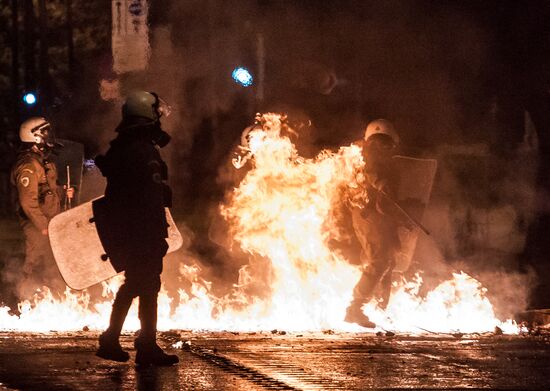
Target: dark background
{"type": "Point", "coordinates": [451, 75]}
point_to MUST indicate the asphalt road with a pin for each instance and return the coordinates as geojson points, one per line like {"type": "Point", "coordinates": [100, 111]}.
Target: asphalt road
{"type": "Point", "coordinates": [280, 361]}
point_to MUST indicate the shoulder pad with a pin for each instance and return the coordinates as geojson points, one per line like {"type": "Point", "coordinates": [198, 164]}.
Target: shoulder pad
{"type": "Point", "coordinates": [28, 165]}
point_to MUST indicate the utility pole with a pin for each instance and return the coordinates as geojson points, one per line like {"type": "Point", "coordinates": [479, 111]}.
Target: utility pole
{"type": "Point", "coordinates": [29, 44]}
{"type": "Point", "coordinates": [212, 82]}
{"type": "Point", "coordinates": [70, 42]}
{"type": "Point", "coordinates": [260, 55]}
{"type": "Point", "coordinates": [15, 58]}
{"type": "Point", "coordinates": [44, 60]}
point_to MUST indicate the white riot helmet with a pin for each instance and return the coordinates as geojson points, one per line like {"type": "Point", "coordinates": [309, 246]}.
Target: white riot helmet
{"type": "Point", "coordinates": [381, 126]}
{"type": "Point", "coordinates": [34, 130]}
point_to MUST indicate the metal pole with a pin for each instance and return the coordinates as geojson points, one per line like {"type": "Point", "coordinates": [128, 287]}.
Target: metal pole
{"type": "Point", "coordinates": [15, 58]}
{"type": "Point", "coordinates": [213, 63]}
{"type": "Point", "coordinates": [260, 53]}
{"type": "Point", "coordinates": [44, 59]}
{"type": "Point", "coordinates": [29, 44]}
{"type": "Point", "coordinates": [70, 42]}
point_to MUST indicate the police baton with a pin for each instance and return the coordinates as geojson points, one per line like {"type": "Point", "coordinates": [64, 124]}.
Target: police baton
{"type": "Point", "coordinates": [404, 213]}
{"type": "Point", "coordinates": [68, 198]}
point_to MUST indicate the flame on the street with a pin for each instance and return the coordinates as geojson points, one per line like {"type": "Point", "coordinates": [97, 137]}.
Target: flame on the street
{"type": "Point", "coordinates": [280, 215]}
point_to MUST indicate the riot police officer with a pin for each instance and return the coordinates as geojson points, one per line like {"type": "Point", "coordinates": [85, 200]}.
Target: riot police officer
{"type": "Point", "coordinates": [131, 223]}
{"type": "Point", "coordinates": [373, 219]}
{"type": "Point", "coordinates": [35, 177]}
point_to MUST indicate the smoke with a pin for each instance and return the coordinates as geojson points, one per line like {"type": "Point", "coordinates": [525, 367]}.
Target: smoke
{"type": "Point", "coordinates": [426, 67]}
{"type": "Point", "coordinates": [11, 273]}
{"type": "Point", "coordinates": [481, 208]}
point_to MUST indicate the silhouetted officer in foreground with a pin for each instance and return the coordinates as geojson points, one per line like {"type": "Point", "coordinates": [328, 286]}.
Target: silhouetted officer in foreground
{"type": "Point", "coordinates": [131, 223]}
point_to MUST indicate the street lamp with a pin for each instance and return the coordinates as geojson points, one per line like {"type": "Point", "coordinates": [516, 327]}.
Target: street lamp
{"type": "Point", "coordinates": [242, 76]}
{"type": "Point", "coordinates": [29, 98]}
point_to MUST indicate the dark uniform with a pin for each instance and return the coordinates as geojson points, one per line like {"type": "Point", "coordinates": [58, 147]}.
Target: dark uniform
{"type": "Point", "coordinates": [131, 222]}
{"type": "Point", "coordinates": [38, 201]}
{"type": "Point", "coordinates": [375, 225]}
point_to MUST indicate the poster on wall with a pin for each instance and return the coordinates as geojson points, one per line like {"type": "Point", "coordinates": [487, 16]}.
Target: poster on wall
{"type": "Point", "coordinates": [130, 35]}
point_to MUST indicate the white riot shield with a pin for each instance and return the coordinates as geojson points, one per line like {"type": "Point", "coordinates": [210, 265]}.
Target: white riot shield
{"type": "Point", "coordinates": [77, 248]}
{"type": "Point", "coordinates": [416, 177]}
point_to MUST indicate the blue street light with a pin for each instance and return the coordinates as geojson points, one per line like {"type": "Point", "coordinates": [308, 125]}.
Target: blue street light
{"type": "Point", "coordinates": [29, 98]}
{"type": "Point", "coordinates": [242, 76]}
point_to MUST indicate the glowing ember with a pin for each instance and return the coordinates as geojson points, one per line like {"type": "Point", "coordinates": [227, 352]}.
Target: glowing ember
{"type": "Point", "coordinates": [281, 215]}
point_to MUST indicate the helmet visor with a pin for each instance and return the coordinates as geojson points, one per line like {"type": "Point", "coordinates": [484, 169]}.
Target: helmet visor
{"type": "Point", "coordinates": [42, 131]}
{"type": "Point", "coordinates": [162, 108]}
{"type": "Point", "coordinates": [46, 134]}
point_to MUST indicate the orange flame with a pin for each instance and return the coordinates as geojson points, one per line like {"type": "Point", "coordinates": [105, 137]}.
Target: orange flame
{"type": "Point", "coordinates": [280, 215]}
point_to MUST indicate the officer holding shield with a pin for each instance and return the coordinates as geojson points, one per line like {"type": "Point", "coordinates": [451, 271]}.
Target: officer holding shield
{"type": "Point", "coordinates": [131, 223]}
{"type": "Point", "coordinates": [373, 218]}
{"type": "Point", "coordinates": [35, 177]}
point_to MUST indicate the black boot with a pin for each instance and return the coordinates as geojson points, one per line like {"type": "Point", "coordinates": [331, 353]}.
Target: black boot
{"type": "Point", "coordinates": [354, 314]}
{"type": "Point", "coordinates": [110, 349]}
{"type": "Point", "coordinates": [149, 353]}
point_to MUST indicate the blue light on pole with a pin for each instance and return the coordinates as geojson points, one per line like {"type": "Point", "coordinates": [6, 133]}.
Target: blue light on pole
{"type": "Point", "coordinates": [242, 76]}
{"type": "Point", "coordinates": [29, 98]}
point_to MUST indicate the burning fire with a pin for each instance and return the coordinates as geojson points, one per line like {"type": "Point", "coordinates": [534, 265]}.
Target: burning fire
{"type": "Point", "coordinates": [281, 216]}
